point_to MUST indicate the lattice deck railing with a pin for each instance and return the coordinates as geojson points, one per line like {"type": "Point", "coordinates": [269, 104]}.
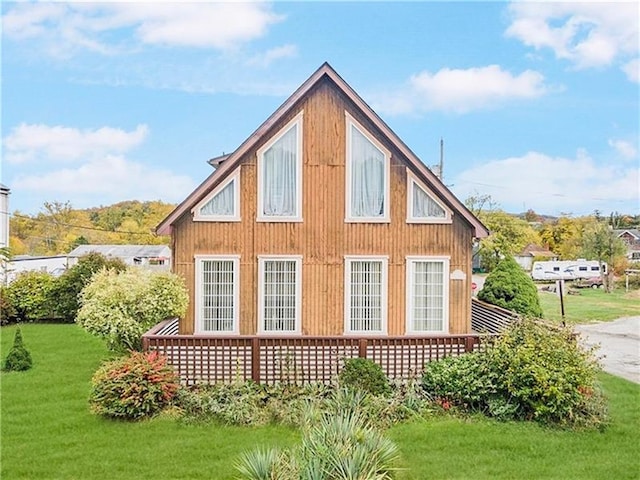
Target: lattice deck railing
{"type": "Point", "coordinates": [295, 359]}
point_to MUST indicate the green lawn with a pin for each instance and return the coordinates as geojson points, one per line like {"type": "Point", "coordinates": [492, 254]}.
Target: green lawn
{"type": "Point", "coordinates": [590, 305]}
{"type": "Point", "coordinates": [48, 432]}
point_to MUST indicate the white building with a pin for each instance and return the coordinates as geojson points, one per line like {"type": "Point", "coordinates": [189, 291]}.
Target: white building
{"type": "Point", "coordinates": [54, 264]}
{"type": "Point", "coordinates": [4, 216]}
{"type": "Point", "coordinates": [156, 257]}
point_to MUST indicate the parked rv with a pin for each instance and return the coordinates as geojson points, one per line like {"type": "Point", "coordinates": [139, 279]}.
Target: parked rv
{"type": "Point", "coordinates": [567, 269]}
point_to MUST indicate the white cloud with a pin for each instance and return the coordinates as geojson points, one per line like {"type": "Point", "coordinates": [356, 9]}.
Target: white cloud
{"type": "Point", "coordinates": [632, 70]}
{"type": "Point", "coordinates": [68, 28]}
{"type": "Point", "coordinates": [460, 91]}
{"type": "Point", "coordinates": [553, 185]}
{"type": "Point", "coordinates": [587, 34]}
{"type": "Point", "coordinates": [267, 58]}
{"type": "Point", "coordinates": [64, 144]}
{"type": "Point", "coordinates": [626, 150]}
{"type": "Point", "coordinates": [106, 179]}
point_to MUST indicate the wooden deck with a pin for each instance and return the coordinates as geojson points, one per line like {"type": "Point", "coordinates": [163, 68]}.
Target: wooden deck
{"type": "Point", "coordinates": [299, 359]}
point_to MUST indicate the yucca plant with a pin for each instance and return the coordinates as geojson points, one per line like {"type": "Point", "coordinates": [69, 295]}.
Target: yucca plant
{"type": "Point", "coordinates": [339, 447]}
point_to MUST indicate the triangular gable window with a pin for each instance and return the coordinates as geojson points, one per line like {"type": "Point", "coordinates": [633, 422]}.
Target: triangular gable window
{"type": "Point", "coordinates": [423, 207]}
{"type": "Point", "coordinates": [222, 204]}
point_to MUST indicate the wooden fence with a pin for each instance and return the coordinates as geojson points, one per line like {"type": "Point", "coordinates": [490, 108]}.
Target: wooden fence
{"type": "Point", "coordinates": [488, 318]}
{"type": "Point", "coordinates": [271, 359]}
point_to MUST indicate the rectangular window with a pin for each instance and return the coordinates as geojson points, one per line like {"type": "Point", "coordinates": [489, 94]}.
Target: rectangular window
{"type": "Point", "coordinates": [217, 300]}
{"type": "Point", "coordinates": [280, 175]}
{"type": "Point", "coordinates": [367, 176]}
{"type": "Point", "coordinates": [366, 295]}
{"type": "Point", "coordinates": [279, 294]}
{"type": "Point", "coordinates": [427, 294]}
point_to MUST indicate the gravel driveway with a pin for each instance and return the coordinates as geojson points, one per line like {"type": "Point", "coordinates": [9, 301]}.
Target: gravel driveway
{"type": "Point", "coordinates": [619, 345]}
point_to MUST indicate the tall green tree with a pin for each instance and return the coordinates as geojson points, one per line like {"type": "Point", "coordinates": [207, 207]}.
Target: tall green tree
{"type": "Point", "coordinates": [599, 242]}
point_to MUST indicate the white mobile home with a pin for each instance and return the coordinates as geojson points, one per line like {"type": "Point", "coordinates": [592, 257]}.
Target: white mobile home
{"type": "Point", "coordinates": [567, 269]}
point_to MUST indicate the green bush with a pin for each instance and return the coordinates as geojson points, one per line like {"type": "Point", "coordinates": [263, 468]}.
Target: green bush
{"type": "Point", "coordinates": [30, 297]}
{"type": "Point", "coordinates": [364, 374]}
{"type": "Point", "coordinates": [247, 403]}
{"type": "Point", "coordinates": [509, 286]}
{"type": "Point", "coordinates": [121, 306]}
{"type": "Point", "coordinates": [18, 359]}
{"type": "Point", "coordinates": [530, 372]}
{"type": "Point", "coordinates": [130, 388]}
{"type": "Point", "coordinates": [71, 283]}
{"type": "Point", "coordinates": [8, 312]}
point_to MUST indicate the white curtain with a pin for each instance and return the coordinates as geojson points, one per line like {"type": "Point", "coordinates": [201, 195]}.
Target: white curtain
{"type": "Point", "coordinates": [223, 203]}
{"type": "Point", "coordinates": [367, 177]}
{"type": "Point", "coordinates": [279, 173]}
{"type": "Point", "coordinates": [424, 206]}
{"type": "Point", "coordinates": [428, 296]}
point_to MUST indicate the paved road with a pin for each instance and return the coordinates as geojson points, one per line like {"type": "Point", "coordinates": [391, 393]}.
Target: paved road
{"type": "Point", "coordinates": [619, 345]}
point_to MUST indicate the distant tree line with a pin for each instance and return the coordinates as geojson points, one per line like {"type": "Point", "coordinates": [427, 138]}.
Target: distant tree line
{"type": "Point", "coordinates": [590, 236]}
{"type": "Point", "coordinates": [58, 228]}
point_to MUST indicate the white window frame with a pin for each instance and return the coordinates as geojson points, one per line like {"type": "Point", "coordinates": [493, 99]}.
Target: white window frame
{"type": "Point", "coordinates": [262, 259]}
{"type": "Point", "coordinates": [410, 261]}
{"type": "Point", "coordinates": [199, 320]}
{"type": "Point", "coordinates": [260, 216]}
{"type": "Point", "coordinates": [235, 217]}
{"type": "Point", "coordinates": [348, 260]}
{"type": "Point", "coordinates": [412, 183]}
{"type": "Point", "coordinates": [349, 217]}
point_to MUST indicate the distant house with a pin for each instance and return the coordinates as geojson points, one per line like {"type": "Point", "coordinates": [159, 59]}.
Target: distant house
{"type": "Point", "coordinates": [631, 238]}
{"type": "Point", "coordinates": [526, 257]}
{"type": "Point", "coordinates": [53, 264]}
{"type": "Point", "coordinates": [157, 257]}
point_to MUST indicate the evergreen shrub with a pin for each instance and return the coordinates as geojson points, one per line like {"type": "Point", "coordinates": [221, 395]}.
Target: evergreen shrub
{"type": "Point", "coordinates": [133, 387]}
{"type": "Point", "coordinates": [509, 286]}
{"type": "Point", "coordinates": [364, 374]}
{"type": "Point", "coordinates": [18, 359]}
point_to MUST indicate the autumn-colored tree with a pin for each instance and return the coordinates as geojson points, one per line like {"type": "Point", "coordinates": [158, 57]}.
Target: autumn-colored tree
{"type": "Point", "coordinates": [600, 243]}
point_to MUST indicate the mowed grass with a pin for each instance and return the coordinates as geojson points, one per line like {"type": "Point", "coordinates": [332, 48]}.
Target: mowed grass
{"type": "Point", "coordinates": [591, 305]}
{"type": "Point", "coordinates": [49, 433]}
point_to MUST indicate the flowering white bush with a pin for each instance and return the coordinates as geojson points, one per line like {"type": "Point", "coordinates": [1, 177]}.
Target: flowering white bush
{"type": "Point", "coordinates": [120, 307]}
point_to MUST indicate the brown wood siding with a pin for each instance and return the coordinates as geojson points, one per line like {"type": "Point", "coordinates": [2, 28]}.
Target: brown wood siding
{"type": "Point", "coordinates": [323, 238]}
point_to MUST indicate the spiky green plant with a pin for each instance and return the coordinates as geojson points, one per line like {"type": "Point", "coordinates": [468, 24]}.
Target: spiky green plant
{"type": "Point", "coordinates": [340, 446]}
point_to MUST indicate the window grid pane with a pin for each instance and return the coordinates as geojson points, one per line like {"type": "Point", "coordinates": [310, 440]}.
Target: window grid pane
{"type": "Point", "coordinates": [279, 295]}
{"type": "Point", "coordinates": [218, 280]}
{"type": "Point", "coordinates": [428, 296]}
{"type": "Point", "coordinates": [365, 312]}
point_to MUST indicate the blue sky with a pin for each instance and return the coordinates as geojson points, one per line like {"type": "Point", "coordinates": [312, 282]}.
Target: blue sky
{"type": "Point", "coordinates": [537, 102]}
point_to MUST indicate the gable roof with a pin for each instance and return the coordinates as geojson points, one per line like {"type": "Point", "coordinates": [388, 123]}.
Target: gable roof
{"type": "Point", "coordinates": [533, 250]}
{"type": "Point", "coordinates": [325, 71]}
{"type": "Point", "coordinates": [634, 232]}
